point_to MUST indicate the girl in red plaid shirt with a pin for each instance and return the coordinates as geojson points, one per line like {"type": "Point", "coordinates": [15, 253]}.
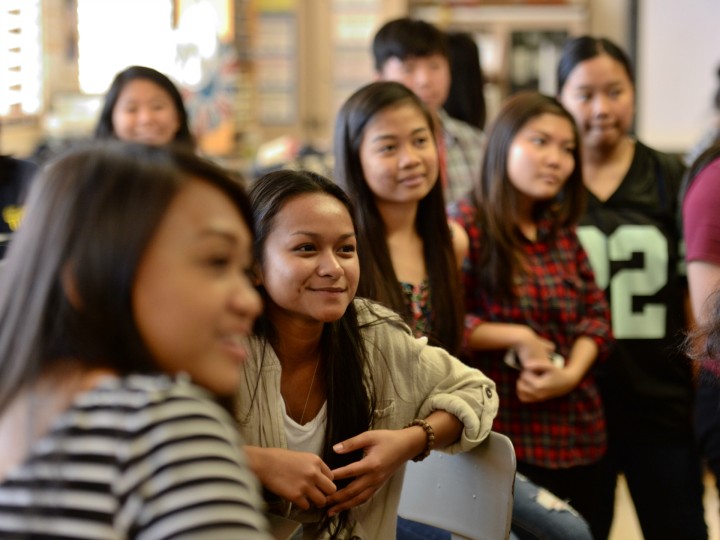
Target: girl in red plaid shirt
{"type": "Point", "coordinates": [536, 321]}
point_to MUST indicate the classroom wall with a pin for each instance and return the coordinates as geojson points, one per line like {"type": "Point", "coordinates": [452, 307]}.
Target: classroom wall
{"type": "Point", "coordinates": [677, 61]}
{"type": "Point", "coordinates": [678, 54]}
{"type": "Point", "coordinates": [610, 18]}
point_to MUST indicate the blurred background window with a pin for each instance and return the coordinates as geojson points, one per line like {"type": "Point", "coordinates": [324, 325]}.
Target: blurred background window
{"type": "Point", "coordinates": [140, 33]}
{"type": "Point", "coordinates": [20, 58]}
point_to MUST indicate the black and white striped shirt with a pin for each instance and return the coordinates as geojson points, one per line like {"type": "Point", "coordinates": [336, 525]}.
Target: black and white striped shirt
{"type": "Point", "coordinates": [144, 457]}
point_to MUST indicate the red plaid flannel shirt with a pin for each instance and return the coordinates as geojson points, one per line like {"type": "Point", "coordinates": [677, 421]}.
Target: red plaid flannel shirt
{"type": "Point", "coordinates": [561, 302]}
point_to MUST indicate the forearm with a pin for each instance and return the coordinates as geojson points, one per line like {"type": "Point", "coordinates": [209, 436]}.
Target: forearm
{"type": "Point", "coordinates": [491, 335]}
{"type": "Point", "coordinates": [446, 428]}
{"type": "Point", "coordinates": [582, 356]}
{"type": "Point", "coordinates": [256, 459]}
{"type": "Point", "coordinates": [703, 280]}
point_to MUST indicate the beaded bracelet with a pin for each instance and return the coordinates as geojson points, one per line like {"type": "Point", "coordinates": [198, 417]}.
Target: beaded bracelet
{"type": "Point", "coordinates": [430, 432]}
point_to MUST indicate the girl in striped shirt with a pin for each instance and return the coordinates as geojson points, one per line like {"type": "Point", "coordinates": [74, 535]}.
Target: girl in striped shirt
{"type": "Point", "coordinates": [124, 307]}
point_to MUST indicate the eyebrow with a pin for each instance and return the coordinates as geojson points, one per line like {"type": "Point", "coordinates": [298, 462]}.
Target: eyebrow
{"type": "Point", "coordinates": [611, 83]}
{"type": "Point", "coordinates": [413, 132]}
{"type": "Point", "coordinates": [546, 134]}
{"type": "Point", "coordinates": [213, 232]}
{"type": "Point", "coordinates": [154, 98]}
{"type": "Point", "coordinates": [320, 235]}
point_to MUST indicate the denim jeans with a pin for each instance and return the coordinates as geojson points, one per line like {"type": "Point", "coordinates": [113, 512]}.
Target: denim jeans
{"type": "Point", "coordinates": [537, 515]}
{"type": "Point", "coordinates": [540, 515]}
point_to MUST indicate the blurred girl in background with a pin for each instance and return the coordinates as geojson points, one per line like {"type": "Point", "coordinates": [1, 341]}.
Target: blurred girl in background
{"type": "Point", "coordinates": [144, 106]}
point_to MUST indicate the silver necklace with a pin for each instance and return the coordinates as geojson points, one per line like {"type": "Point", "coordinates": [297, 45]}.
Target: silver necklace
{"type": "Point", "coordinates": [307, 399]}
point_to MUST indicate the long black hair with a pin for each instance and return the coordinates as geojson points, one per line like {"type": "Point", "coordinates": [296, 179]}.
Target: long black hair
{"type": "Point", "coordinates": [90, 213]}
{"type": "Point", "coordinates": [466, 100]}
{"type": "Point", "coordinates": [349, 395]}
{"type": "Point", "coordinates": [378, 280]}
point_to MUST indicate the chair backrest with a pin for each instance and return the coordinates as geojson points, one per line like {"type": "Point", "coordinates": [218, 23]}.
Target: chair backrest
{"type": "Point", "coordinates": [283, 528]}
{"type": "Point", "coordinates": [468, 494]}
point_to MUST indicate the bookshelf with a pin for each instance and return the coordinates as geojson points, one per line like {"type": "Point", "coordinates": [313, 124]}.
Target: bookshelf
{"type": "Point", "coordinates": [519, 42]}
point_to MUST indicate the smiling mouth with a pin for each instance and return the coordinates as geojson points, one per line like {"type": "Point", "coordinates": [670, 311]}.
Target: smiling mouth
{"type": "Point", "coordinates": [412, 179]}
{"type": "Point", "coordinates": [329, 289]}
{"type": "Point", "coordinates": [237, 346]}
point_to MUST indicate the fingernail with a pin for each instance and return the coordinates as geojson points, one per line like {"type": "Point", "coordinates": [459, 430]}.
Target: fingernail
{"type": "Point", "coordinates": [338, 447]}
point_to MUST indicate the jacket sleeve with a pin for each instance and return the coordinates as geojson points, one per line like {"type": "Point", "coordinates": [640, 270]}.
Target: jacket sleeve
{"type": "Point", "coordinates": [449, 385]}
{"type": "Point", "coordinates": [414, 379]}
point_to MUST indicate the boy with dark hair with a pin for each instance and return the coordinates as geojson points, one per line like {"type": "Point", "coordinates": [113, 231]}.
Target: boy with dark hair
{"type": "Point", "coordinates": [415, 53]}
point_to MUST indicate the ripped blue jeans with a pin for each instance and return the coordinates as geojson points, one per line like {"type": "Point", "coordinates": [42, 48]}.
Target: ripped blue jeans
{"type": "Point", "coordinates": [537, 515]}
{"type": "Point", "coordinates": [540, 515]}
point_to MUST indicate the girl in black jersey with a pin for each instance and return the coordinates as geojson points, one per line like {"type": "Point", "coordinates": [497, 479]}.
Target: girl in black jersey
{"type": "Point", "coordinates": [630, 233]}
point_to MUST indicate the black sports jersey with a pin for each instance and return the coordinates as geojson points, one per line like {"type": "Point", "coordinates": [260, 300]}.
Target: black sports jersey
{"type": "Point", "coordinates": [633, 241]}
{"type": "Point", "coordinates": [15, 176]}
